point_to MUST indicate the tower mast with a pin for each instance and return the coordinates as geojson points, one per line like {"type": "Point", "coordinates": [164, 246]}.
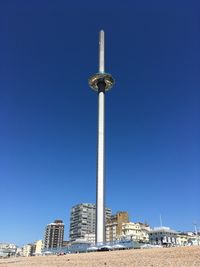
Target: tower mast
{"type": "Point", "coordinates": [101, 82]}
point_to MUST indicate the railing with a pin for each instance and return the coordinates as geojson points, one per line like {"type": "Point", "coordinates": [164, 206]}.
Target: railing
{"type": "Point", "coordinates": [86, 247]}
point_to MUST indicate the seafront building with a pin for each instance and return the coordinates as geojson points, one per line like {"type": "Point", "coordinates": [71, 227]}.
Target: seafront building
{"type": "Point", "coordinates": [163, 236]}
{"type": "Point", "coordinates": [83, 221]}
{"type": "Point", "coordinates": [31, 249]}
{"type": "Point", "coordinates": [182, 239]}
{"type": "Point", "coordinates": [193, 238]}
{"type": "Point", "coordinates": [136, 231]}
{"type": "Point", "coordinates": [114, 225]}
{"type": "Point", "coordinates": [7, 249]}
{"type": "Point", "coordinates": [54, 234]}
{"type": "Point", "coordinates": [19, 251]}
{"type": "Point", "coordinates": [38, 247]}
{"type": "Point", "coordinates": [188, 239]}
{"type": "Point", "coordinates": [28, 250]}
{"type": "Point", "coordinates": [90, 238]}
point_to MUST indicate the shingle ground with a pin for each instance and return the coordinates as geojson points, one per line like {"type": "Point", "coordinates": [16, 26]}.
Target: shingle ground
{"type": "Point", "coordinates": [162, 257]}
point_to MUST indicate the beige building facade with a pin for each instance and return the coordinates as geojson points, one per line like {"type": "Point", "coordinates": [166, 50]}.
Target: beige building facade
{"type": "Point", "coordinates": [182, 239]}
{"type": "Point", "coordinates": [114, 225]}
{"type": "Point", "coordinates": [136, 231]}
{"type": "Point", "coordinates": [111, 232]}
{"type": "Point", "coordinates": [28, 250]}
{"type": "Point", "coordinates": [38, 247]}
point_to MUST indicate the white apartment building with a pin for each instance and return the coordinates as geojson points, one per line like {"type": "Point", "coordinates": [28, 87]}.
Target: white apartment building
{"type": "Point", "coordinates": [90, 238]}
{"type": "Point", "coordinates": [163, 236]}
{"type": "Point", "coordinates": [19, 251]}
{"type": "Point", "coordinates": [193, 239]}
{"type": "Point", "coordinates": [83, 221]}
{"type": "Point", "coordinates": [27, 250]}
{"type": "Point", "coordinates": [7, 249]}
{"type": "Point", "coordinates": [136, 231]}
{"type": "Point", "coordinates": [111, 232]}
{"type": "Point", "coordinates": [38, 247]}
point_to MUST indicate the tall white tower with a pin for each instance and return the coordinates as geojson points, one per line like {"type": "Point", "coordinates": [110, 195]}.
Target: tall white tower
{"type": "Point", "coordinates": [101, 82]}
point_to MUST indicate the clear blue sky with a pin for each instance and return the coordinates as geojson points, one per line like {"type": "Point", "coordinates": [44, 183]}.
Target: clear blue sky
{"type": "Point", "coordinates": [48, 114]}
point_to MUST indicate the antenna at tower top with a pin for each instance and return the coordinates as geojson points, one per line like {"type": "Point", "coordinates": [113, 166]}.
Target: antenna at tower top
{"type": "Point", "coordinates": [101, 52]}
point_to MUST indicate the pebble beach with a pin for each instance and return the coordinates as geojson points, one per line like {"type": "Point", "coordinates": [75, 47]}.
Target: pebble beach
{"type": "Point", "coordinates": [159, 257]}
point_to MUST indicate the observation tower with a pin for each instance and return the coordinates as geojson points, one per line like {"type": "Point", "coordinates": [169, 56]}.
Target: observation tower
{"type": "Point", "coordinates": [101, 82]}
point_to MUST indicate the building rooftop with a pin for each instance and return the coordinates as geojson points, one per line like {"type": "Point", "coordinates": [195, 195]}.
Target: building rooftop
{"type": "Point", "coordinates": [162, 229]}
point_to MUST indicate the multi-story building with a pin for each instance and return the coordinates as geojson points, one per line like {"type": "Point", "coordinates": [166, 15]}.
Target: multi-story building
{"type": "Point", "coordinates": [136, 231]}
{"type": "Point", "coordinates": [7, 249]}
{"type": "Point", "coordinates": [90, 238]}
{"type": "Point", "coordinates": [114, 225]}
{"type": "Point", "coordinates": [83, 221]}
{"type": "Point", "coordinates": [28, 250]}
{"type": "Point", "coordinates": [54, 234]}
{"type": "Point", "coordinates": [193, 238]}
{"type": "Point", "coordinates": [111, 232]}
{"type": "Point", "coordinates": [32, 249]}
{"type": "Point", "coordinates": [38, 247]}
{"type": "Point", "coordinates": [182, 239]}
{"type": "Point", "coordinates": [163, 236]}
{"type": "Point", "coordinates": [19, 251]}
